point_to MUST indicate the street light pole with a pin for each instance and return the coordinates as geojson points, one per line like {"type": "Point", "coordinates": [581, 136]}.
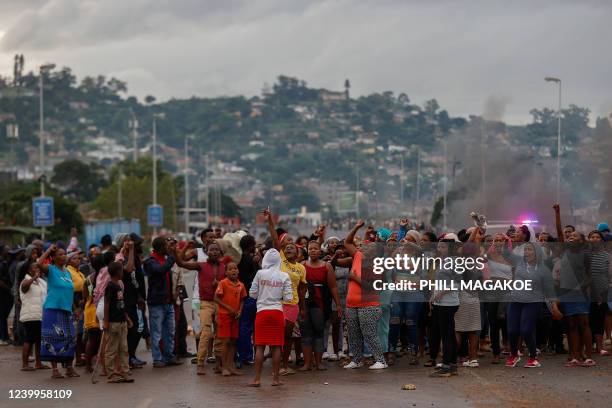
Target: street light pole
{"type": "Point", "coordinates": [558, 82]}
{"type": "Point", "coordinates": [445, 183]}
{"type": "Point", "coordinates": [41, 136]}
{"type": "Point", "coordinates": [187, 184]}
{"type": "Point", "coordinates": [154, 155]}
{"type": "Point", "coordinates": [133, 123]}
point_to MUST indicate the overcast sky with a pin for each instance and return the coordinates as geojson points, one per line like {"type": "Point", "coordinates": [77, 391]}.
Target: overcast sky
{"type": "Point", "coordinates": [462, 53]}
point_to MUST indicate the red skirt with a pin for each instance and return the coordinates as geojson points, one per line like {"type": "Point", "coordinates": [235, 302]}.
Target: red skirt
{"type": "Point", "coordinates": [270, 328]}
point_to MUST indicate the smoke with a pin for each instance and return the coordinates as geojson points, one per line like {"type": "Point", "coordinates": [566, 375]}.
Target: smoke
{"type": "Point", "coordinates": [493, 175]}
{"type": "Point", "coordinates": [495, 107]}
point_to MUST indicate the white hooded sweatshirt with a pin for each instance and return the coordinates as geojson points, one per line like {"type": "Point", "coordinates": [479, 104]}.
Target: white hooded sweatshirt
{"type": "Point", "coordinates": [271, 286]}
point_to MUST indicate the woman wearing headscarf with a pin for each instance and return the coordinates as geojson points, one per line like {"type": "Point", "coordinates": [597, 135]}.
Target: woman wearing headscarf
{"type": "Point", "coordinates": [270, 288]}
{"type": "Point", "coordinates": [58, 334]}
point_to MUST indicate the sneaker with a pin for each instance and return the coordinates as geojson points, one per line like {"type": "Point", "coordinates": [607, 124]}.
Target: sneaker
{"type": "Point", "coordinates": [352, 365]}
{"type": "Point", "coordinates": [211, 359]}
{"type": "Point", "coordinates": [444, 371]}
{"type": "Point", "coordinates": [378, 366]}
{"type": "Point", "coordinates": [604, 353]}
{"type": "Point", "coordinates": [332, 357]}
{"type": "Point", "coordinates": [137, 362]}
{"type": "Point", "coordinates": [4, 343]}
{"type": "Point", "coordinates": [470, 363]}
{"type": "Point", "coordinates": [159, 364]}
{"type": "Point", "coordinates": [439, 365]}
{"type": "Point", "coordinates": [512, 361]}
{"type": "Point", "coordinates": [325, 355]}
{"type": "Point", "coordinates": [532, 363]}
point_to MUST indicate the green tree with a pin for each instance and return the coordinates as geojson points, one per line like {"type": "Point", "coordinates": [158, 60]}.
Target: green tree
{"type": "Point", "coordinates": [16, 209]}
{"type": "Point", "coordinates": [79, 180]}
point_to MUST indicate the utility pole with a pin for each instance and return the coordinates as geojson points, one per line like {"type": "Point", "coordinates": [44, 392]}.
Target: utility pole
{"type": "Point", "coordinates": [445, 183]}
{"type": "Point", "coordinates": [357, 193]}
{"type": "Point", "coordinates": [187, 206]}
{"type": "Point", "coordinates": [120, 195]}
{"type": "Point", "coordinates": [133, 123]}
{"type": "Point", "coordinates": [418, 181]}
{"type": "Point", "coordinates": [207, 192]}
{"type": "Point", "coordinates": [483, 176]}
{"type": "Point", "coordinates": [402, 179]}
{"type": "Point", "coordinates": [41, 149]}
{"type": "Point", "coordinates": [154, 154]}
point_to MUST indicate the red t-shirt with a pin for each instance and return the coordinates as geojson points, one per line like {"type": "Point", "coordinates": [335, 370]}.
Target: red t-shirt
{"type": "Point", "coordinates": [231, 294]}
{"type": "Point", "coordinates": [208, 274]}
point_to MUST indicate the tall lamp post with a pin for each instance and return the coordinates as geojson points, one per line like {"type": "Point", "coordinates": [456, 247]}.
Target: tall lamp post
{"type": "Point", "coordinates": [558, 82]}
{"type": "Point", "coordinates": [187, 199]}
{"type": "Point", "coordinates": [41, 136]}
{"type": "Point", "coordinates": [156, 116]}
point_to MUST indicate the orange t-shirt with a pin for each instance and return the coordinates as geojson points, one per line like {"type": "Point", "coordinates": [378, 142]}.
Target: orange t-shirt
{"type": "Point", "coordinates": [354, 296]}
{"type": "Point", "coordinates": [231, 294]}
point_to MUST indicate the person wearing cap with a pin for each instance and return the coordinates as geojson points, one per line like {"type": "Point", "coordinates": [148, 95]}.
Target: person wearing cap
{"type": "Point", "coordinates": [605, 231]}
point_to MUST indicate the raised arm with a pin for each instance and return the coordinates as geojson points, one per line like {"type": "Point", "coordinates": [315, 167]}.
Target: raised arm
{"type": "Point", "coordinates": [41, 261]}
{"type": "Point", "coordinates": [272, 229]}
{"type": "Point", "coordinates": [129, 250]}
{"type": "Point", "coordinates": [180, 260]}
{"type": "Point", "coordinates": [349, 242]}
{"type": "Point", "coordinates": [403, 229]}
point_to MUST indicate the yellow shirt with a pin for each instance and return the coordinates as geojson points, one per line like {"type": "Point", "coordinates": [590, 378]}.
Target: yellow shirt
{"type": "Point", "coordinates": [78, 279]}
{"type": "Point", "coordinates": [297, 274]}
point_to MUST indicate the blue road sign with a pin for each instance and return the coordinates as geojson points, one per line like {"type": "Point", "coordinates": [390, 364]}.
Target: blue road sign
{"type": "Point", "coordinates": [155, 215]}
{"type": "Point", "coordinates": [43, 212]}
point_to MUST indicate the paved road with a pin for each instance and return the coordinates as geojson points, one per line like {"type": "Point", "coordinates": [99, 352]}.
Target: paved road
{"type": "Point", "coordinates": [179, 387]}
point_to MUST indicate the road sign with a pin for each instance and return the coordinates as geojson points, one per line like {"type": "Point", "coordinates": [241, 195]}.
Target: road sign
{"type": "Point", "coordinates": [43, 212]}
{"type": "Point", "coordinates": [155, 215]}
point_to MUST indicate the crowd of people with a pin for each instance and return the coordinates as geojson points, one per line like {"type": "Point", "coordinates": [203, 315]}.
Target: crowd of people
{"type": "Point", "coordinates": [286, 297]}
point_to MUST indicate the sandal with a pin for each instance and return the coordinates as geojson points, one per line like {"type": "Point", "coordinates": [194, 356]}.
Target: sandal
{"type": "Point", "coordinates": [589, 363]}
{"type": "Point", "coordinates": [57, 374]}
{"type": "Point", "coordinates": [572, 363]}
{"type": "Point", "coordinates": [72, 374]}
{"type": "Point", "coordinates": [28, 368]}
{"type": "Point", "coordinates": [43, 367]}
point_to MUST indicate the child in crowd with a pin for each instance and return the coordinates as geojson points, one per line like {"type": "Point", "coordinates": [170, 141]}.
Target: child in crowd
{"type": "Point", "coordinates": [229, 296]}
{"type": "Point", "coordinates": [116, 323]}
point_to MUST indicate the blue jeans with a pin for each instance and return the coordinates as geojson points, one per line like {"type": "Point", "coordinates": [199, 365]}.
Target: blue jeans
{"type": "Point", "coordinates": [161, 325]}
{"type": "Point", "coordinates": [522, 319]}
{"type": "Point", "coordinates": [247, 326]}
{"type": "Point", "coordinates": [407, 313]}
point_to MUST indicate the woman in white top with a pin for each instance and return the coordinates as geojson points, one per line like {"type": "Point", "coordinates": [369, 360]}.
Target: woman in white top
{"type": "Point", "coordinates": [32, 292]}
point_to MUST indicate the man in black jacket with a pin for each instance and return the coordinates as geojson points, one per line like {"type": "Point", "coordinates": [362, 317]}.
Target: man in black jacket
{"type": "Point", "coordinates": [158, 268]}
